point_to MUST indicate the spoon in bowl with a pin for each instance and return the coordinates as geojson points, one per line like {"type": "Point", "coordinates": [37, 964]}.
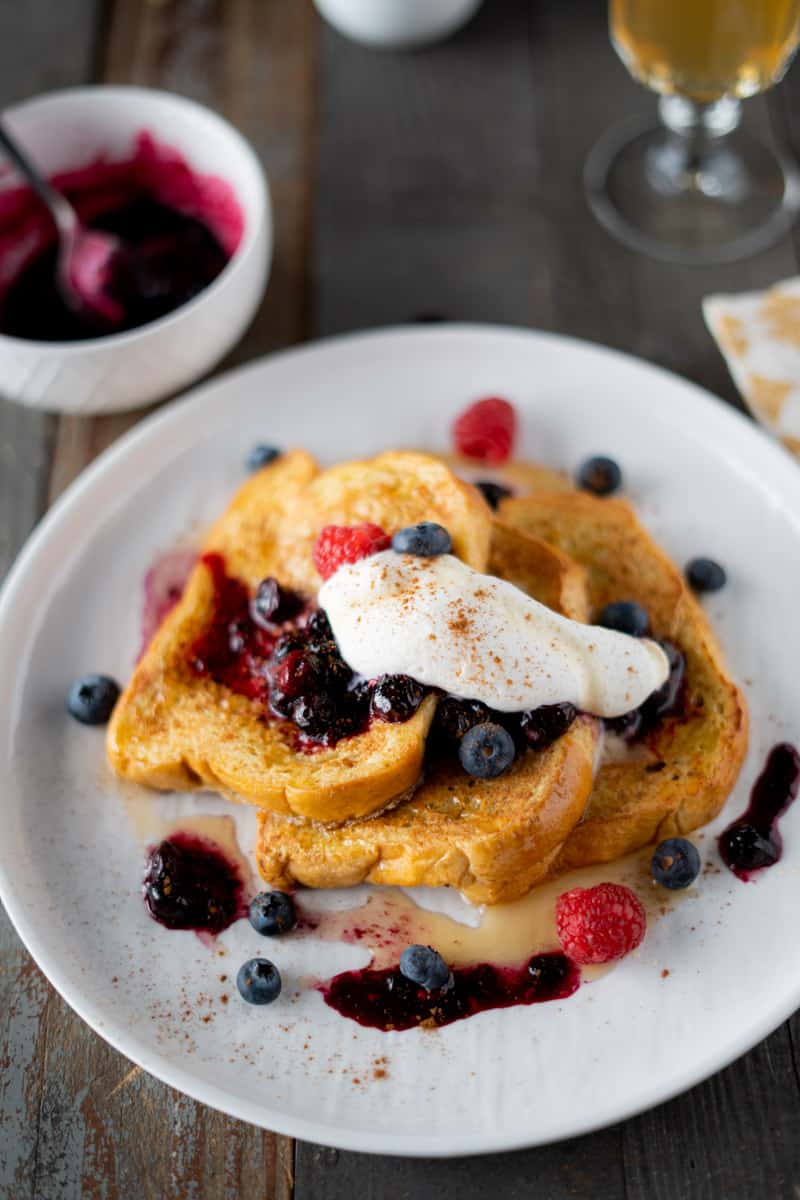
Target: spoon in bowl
{"type": "Point", "coordinates": [85, 257]}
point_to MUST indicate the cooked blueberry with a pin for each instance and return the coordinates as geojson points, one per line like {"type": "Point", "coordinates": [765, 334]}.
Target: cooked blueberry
{"type": "Point", "coordinates": [425, 967]}
{"type": "Point", "coordinates": [493, 492]}
{"type": "Point", "coordinates": [600, 475]}
{"type": "Point", "coordinates": [261, 456]}
{"type": "Point", "coordinates": [315, 714]}
{"type": "Point", "coordinates": [666, 700]}
{"type": "Point", "coordinates": [744, 847]}
{"type": "Point", "coordinates": [273, 604]}
{"type": "Point", "coordinates": [675, 863]}
{"type": "Point", "coordinates": [544, 725]}
{"type": "Point", "coordinates": [281, 703]}
{"type": "Point", "coordinates": [294, 674]}
{"type": "Point", "coordinates": [91, 700]}
{"type": "Point", "coordinates": [190, 887]}
{"type": "Point", "coordinates": [426, 539]}
{"type": "Point", "coordinates": [625, 616]}
{"type": "Point", "coordinates": [396, 697]}
{"type": "Point", "coordinates": [272, 912]}
{"type": "Point", "coordinates": [486, 750]}
{"type": "Point", "coordinates": [318, 626]}
{"type": "Point", "coordinates": [294, 639]}
{"type": "Point", "coordinates": [549, 970]}
{"type": "Point", "coordinates": [328, 666]}
{"type": "Point", "coordinates": [259, 981]}
{"type": "Point", "coordinates": [454, 717]}
{"type": "Point", "coordinates": [706, 575]}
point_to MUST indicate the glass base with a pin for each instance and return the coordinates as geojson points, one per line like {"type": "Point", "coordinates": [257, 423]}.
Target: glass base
{"type": "Point", "coordinates": [685, 198]}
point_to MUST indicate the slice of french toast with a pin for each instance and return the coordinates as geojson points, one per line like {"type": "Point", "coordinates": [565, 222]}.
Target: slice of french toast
{"type": "Point", "coordinates": [679, 776]}
{"type": "Point", "coordinates": [176, 729]}
{"type": "Point", "coordinates": [491, 839]}
{"type": "Point", "coordinates": [521, 476]}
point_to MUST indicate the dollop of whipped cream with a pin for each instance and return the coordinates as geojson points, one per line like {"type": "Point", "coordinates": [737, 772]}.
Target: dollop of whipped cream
{"type": "Point", "coordinates": [480, 638]}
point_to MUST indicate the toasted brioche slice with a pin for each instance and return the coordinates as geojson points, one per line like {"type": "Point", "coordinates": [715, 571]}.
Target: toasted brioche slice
{"type": "Point", "coordinates": [521, 476]}
{"type": "Point", "coordinates": [680, 777]}
{"type": "Point", "coordinates": [492, 839]}
{"type": "Point", "coordinates": [173, 729]}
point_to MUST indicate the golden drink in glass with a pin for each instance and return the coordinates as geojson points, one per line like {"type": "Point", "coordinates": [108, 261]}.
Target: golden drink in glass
{"type": "Point", "coordinates": [696, 188]}
{"type": "Point", "coordinates": [705, 49]}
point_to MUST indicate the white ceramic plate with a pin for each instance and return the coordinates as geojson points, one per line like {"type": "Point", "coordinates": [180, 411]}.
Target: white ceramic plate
{"type": "Point", "coordinates": [705, 480]}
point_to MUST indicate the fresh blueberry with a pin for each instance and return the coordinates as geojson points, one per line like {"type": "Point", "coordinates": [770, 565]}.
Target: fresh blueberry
{"type": "Point", "coordinates": [486, 750]}
{"type": "Point", "coordinates": [599, 475]}
{"type": "Point", "coordinates": [493, 492]}
{"type": "Point", "coordinates": [705, 575]}
{"type": "Point", "coordinates": [425, 967]}
{"type": "Point", "coordinates": [261, 456]}
{"type": "Point", "coordinates": [744, 847]}
{"type": "Point", "coordinates": [544, 725]}
{"type": "Point", "coordinates": [396, 697]}
{"type": "Point", "coordinates": [91, 700]}
{"type": "Point", "coordinates": [625, 616]}
{"type": "Point", "coordinates": [272, 912]}
{"type": "Point", "coordinates": [426, 539]}
{"type": "Point", "coordinates": [259, 981]}
{"type": "Point", "coordinates": [273, 604]}
{"type": "Point", "coordinates": [675, 863]}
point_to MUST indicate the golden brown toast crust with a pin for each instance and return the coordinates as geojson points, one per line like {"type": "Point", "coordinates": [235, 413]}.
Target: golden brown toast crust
{"type": "Point", "coordinates": [174, 729]}
{"type": "Point", "coordinates": [491, 839]}
{"type": "Point", "coordinates": [524, 478]}
{"type": "Point", "coordinates": [692, 764]}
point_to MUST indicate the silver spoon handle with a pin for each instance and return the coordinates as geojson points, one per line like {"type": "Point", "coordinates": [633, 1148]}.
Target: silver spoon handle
{"type": "Point", "coordinates": [60, 208]}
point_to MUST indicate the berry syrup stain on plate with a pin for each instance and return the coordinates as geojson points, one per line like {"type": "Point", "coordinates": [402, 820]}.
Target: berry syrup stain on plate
{"type": "Point", "coordinates": [177, 230]}
{"type": "Point", "coordinates": [196, 877]}
{"type": "Point", "coordinates": [753, 841]}
{"type": "Point", "coordinates": [511, 957]}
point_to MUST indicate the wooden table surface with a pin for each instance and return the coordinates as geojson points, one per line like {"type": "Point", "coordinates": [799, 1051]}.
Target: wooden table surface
{"type": "Point", "coordinates": [439, 183]}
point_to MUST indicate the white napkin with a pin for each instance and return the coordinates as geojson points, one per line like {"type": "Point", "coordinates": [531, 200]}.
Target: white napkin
{"type": "Point", "coordinates": [759, 336]}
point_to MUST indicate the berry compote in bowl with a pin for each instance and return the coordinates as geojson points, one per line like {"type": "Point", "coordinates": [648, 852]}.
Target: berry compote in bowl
{"type": "Point", "coordinates": [186, 198]}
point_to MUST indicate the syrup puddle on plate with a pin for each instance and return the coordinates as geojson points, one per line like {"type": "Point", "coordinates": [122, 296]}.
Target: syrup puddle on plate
{"type": "Point", "coordinates": [505, 934]}
{"type": "Point", "coordinates": [499, 955]}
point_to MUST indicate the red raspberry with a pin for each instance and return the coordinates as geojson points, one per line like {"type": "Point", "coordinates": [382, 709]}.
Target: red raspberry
{"type": "Point", "coordinates": [486, 430]}
{"type": "Point", "coordinates": [337, 544]}
{"type": "Point", "coordinates": [599, 924]}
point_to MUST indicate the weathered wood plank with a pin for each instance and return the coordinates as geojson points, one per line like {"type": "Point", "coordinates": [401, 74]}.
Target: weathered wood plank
{"type": "Point", "coordinates": [41, 47]}
{"type": "Point", "coordinates": [93, 1125]}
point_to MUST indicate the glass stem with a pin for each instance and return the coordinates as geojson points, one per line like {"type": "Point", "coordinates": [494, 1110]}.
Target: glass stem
{"type": "Point", "coordinates": [695, 133]}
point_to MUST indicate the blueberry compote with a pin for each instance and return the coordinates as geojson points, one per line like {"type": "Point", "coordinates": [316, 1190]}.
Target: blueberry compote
{"type": "Point", "coordinates": [277, 652]}
{"type": "Point", "coordinates": [753, 840]}
{"type": "Point", "coordinates": [385, 999]}
{"type": "Point", "coordinates": [191, 884]}
{"type": "Point", "coordinates": [165, 259]}
{"type": "Point", "coordinates": [177, 229]}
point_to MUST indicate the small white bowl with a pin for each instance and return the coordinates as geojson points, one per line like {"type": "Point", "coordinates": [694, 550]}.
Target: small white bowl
{"type": "Point", "coordinates": [68, 129]}
{"type": "Point", "coordinates": [397, 24]}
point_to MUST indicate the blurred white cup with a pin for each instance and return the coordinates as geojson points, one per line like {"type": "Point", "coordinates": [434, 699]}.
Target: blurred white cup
{"type": "Point", "coordinates": [397, 24]}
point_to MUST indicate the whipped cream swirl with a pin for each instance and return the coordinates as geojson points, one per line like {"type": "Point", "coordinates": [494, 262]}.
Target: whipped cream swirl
{"type": "Point", "coordinates": [480, 638]}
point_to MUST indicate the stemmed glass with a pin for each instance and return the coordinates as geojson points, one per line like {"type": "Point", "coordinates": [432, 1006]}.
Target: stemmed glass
{"type": "Point", "coordinates": [696, 188]}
